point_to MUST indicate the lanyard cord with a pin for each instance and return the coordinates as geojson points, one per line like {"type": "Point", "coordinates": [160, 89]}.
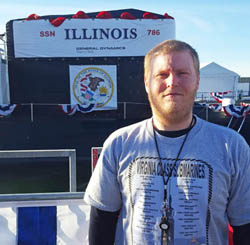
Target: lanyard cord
{"type": "Point", "coordinates": [165, 182]}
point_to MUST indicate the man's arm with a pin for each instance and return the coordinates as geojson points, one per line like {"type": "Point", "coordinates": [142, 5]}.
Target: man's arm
{"type": "Point", "coordinates": [241, 235]}
{"type": "Point", "coordinates": [102, 226]}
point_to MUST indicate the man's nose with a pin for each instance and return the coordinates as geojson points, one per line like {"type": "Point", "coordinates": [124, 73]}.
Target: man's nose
{"type": "Point", "coordinates": [172, 80]}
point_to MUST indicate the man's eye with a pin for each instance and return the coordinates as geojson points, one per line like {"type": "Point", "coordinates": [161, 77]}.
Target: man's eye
{"type": "Point", "coordinates": [182, 73]}
{"type": "Point", "coordinates": [163, 75]}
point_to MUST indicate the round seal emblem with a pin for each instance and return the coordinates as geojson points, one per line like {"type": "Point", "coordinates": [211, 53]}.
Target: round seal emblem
{"type": "Point", "coordinates": [93, 85]}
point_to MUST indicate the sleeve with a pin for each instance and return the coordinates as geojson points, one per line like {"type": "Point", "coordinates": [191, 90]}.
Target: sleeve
{"type": "Point", "coordinates": [103, 190]}
{"type": "Point", "coordinates": [239, 200]}
{"type": "Point", "coordinates": [102, 226]}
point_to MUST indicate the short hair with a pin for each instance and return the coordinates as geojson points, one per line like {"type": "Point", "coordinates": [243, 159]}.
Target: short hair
{"type": "Point", "coordinates": [168, 47]}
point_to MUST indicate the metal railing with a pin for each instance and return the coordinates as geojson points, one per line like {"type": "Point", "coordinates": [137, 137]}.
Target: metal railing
{"type": "Point", "coordinates": [72, 194]}
{"type": "Point", "coordinates": [41, 196]}
{"type": "Point", "coordinates": [239, 95]}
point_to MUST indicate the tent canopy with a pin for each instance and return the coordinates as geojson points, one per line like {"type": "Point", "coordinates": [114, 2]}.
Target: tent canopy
{"type": "Point", "coordinates": [214, 69]}
{"type": "Point", "coordinates": [216, 78]}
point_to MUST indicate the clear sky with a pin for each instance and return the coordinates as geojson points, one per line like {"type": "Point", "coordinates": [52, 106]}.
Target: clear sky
{"type": "Point", "coordinates": [218, 29]}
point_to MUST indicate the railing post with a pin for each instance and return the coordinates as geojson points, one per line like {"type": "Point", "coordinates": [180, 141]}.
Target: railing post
{"type": "Point", "coordinates": [72, 172]}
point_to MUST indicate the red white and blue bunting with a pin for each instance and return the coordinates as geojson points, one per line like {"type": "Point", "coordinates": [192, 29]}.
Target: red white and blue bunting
{"type": "Point", "coordinates": [218, 96]}
{"type": "Point", "coordinates": [235, 111]}
{"type": "Point", "coordinates": [6, 109]}
{"type": "Point", "coordinates": [72, 109]}
{"type": "Point", "coordinates": [230, 110]}
{"type": "Point", "coordinates": [68, 109]}
{"type": "Point", "coordinates": [215, 107]}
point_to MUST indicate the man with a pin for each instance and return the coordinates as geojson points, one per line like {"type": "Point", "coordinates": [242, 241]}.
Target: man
{"type": "Point", "coordinates": [173, 178]}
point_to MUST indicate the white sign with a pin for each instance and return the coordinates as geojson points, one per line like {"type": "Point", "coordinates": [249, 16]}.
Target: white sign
{"type": "Point", "coordinates": [89, 37]}
{"type": "Point", "coordinates": [93, 87]}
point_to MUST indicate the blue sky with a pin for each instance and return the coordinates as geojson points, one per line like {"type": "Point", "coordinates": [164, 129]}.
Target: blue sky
{"type": "Point", "coordinates": [218, 29]}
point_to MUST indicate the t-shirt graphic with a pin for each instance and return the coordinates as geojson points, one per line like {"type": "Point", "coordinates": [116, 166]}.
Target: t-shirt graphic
{"type": "Point", "coordinates": [189, 192]}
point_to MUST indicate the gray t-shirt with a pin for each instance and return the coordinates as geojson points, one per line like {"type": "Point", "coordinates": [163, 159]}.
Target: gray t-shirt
{"type": "Point", "coordinates": [209, 186]}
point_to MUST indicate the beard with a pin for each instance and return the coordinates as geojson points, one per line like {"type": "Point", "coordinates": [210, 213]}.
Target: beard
{"type": "Point", "coordinates": [172, 112]}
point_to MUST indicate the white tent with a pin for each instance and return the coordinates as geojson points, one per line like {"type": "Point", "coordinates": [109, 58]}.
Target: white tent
{"type": "Point", "coordinates": [215, 78]}
{"type": "Point", "coordinates": [4, 83]}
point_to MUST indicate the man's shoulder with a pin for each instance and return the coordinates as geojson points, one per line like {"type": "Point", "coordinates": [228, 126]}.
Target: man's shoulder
{"type": "Point", "coordinates": [219, 130]}
{"type": "Point", "coordinates": [132, 128]}
{"type": "Point", "coordinates": [129, 131]}
{"type": "Point", "coordinates": [215, 126]}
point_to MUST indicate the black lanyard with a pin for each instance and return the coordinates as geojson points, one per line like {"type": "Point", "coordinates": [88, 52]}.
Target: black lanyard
{"type": "Point", "coordinates": [164, 225]}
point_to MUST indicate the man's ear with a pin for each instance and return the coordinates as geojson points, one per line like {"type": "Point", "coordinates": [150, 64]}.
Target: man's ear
{"type": "Point", "coordinates": [198, 82]}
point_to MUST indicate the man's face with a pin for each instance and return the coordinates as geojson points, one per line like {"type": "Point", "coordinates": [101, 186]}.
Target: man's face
{"type": "Point", "coordinates": [172, 86]}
